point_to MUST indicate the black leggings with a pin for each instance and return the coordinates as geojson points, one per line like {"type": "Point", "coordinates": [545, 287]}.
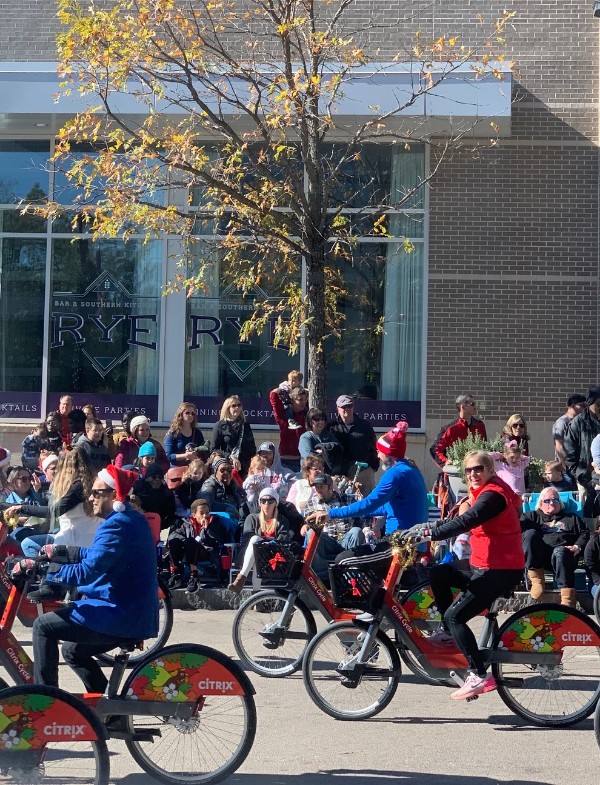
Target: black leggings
{"type": "Point", "coordinates": [479, 588]}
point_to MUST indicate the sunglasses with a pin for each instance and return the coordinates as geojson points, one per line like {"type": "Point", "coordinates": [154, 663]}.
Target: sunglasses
{"type": "Point", "coordinates": [98, 494]}
{"type": "Point", "coordinates": [519, 425]}
{"type": "Point", "coordinates": [174, 479]}
{"type": "Point", "coordinates": [267, 500]}
{"type": "Point", "coordinates": [551, 500]}
{"type": "Point", "coordinates": [192, 413]}
{"type": "Point", "coordinates": [474, 469]}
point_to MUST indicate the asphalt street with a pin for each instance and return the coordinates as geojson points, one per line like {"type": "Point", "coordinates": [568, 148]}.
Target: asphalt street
{"type": "Point", "coordinates": [422, 738]}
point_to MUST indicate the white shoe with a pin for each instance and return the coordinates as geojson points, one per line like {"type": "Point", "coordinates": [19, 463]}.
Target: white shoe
{"type": "Point", "coordinates": [441, 638]}
{"type": "Point", "coordinates": [365, 617]}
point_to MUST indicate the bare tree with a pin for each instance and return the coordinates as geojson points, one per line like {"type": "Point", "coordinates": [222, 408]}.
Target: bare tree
{"type": "Point", "coordinates": [242, 116]}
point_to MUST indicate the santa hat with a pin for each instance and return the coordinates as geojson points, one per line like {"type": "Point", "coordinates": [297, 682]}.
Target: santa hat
{"type": "Point", "coordinates": [121, 481]}
{"type": "Point", "coordinates": [394, 442]}
{"type": "Point", "coordinates": [5, 457]}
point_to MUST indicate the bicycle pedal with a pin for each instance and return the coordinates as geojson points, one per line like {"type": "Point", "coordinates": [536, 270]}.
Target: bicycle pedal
{"type": "Point", "coordinates": [270, 645]}
{"type": "Point", "coordinates": [472, 698]}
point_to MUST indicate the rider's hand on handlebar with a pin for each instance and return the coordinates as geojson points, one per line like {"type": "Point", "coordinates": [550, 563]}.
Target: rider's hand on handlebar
{"type": "Point", "coordinates": [24, 568]}
{"type": "Point", "coordinates": [62, 554]}
{"type": "Point", "coordinates": [418, 532]}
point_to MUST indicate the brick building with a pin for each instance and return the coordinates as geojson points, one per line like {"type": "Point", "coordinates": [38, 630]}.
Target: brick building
{"type": "Point", "coordinates": [509, 249]}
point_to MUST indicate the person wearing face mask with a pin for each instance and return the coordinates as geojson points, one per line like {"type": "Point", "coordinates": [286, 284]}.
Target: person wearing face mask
{"type": "Point", "coordinates": [400, 494]}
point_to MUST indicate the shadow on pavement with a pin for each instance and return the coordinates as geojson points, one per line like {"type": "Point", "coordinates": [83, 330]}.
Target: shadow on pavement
{"type": "Point", "coordinates": [354, 776]}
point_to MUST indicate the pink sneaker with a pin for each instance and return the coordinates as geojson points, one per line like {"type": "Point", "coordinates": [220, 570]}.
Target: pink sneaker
{"type": "Point", "coordinates": [441, 638]}
{"type": "Point", "coordinates": [475, 685]}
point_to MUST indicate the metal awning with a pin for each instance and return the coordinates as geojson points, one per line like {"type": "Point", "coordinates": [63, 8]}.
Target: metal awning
{"type": "Point", "coordinates": [462, 101]}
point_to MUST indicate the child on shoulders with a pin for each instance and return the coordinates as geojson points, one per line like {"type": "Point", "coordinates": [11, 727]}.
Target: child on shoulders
{"type": "Point", "coordinates": [294, 380]}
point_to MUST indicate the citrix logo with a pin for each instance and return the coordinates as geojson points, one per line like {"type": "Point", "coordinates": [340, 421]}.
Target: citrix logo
{"type": "Point", "coordinates": [576, 637]}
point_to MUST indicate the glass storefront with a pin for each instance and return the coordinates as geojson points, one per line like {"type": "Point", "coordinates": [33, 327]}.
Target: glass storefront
{"type": "Point", "coordinates": [88, 318]}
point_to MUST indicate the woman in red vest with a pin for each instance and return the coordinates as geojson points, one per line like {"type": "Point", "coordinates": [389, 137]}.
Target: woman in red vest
{"type": "Point", "coordinates": [496, 564]}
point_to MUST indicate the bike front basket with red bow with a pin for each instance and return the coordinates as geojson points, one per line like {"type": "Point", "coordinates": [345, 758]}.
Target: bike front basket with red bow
{"type": "Point", "coordinates": [354, 587]}
{"type": "Point", "coordinates": [277, 563]}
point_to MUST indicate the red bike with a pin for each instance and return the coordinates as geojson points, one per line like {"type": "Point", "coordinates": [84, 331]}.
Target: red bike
{"type": "Point", "coordinates": [186, 714]}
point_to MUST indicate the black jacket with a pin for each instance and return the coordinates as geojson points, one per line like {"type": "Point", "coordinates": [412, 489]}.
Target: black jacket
{"type": "Point", "coordinates": [591, 557]}
{"type": "Point", "coordinates": [561, 529]}
{"type": "Point", "coordinates": [222, 497]}
{"type": "Point", "coordinates": [577, 442]}
{"type": "Point", "coordinates": [159, 500]}
{"type": "Point", "coordinates": [358, 443]}
{"type": "Point", "coordinates": [225, 436]}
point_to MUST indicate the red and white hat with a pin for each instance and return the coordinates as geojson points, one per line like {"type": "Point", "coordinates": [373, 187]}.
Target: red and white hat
{"type": "Point", "coordinates": [121, 481]}
{"type": "Point", "coordinates": [394, 442]}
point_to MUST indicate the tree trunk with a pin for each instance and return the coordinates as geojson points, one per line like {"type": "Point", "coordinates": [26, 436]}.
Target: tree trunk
{"type": "Point", "coordinates": [316, 329]}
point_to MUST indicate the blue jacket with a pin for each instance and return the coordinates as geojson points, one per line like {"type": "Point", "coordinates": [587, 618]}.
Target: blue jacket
{"type": "Point", "coordinates": [400, 495]}
{"type": "Point", "coordinates": [117, 573]}
{"type": "Point", "coordinates": [175, 444]}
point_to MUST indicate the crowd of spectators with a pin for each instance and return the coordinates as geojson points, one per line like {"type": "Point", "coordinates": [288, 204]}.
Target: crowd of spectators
{"type": "Point", "coordinates": [215, 497]}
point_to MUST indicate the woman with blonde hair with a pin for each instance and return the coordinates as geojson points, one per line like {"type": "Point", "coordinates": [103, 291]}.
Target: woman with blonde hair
{"type": "Point", "coordinates": [496, 564]}
{"type": "Point", "coordinates": [183, 438]}
{"type": "Point", "coordinates": [69, 510]}
{"type": "Point", "coordinates": [516, 430]}
{"type": "Point", "coordinates": [234, 436]}
{"type": "Point", "coordinates": [264, 525]}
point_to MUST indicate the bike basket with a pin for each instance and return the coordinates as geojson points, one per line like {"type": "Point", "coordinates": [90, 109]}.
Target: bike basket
{"type": "Point", "coordinates": [354, 587]}
{"type": "Point", "coordinates": [276, 563]}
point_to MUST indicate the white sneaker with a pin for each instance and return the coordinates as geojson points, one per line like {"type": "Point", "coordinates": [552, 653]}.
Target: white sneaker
{"type": "Point", "coordinates": [441, 637]}
{"type": "Point", "coordinates": [365, 617]}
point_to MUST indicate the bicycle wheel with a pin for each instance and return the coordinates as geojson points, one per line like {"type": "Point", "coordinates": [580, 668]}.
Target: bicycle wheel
{"type": "Point", "coordinates": [262, 643]}
{"type": "Point", "coordinates": [215, 739]}
{"type": "Point", "coordinates": [152, 645]}
{"type": "Point", "coordinates": [330, 683]}
{"type": "Point", "coordinates": [29, 710]}
{"type": "Point", "coordinates": [597, 606]}
{"type": "Point", "coordinates": [554, 694]}
{"type": "Point", "coordinates": [597, 723]}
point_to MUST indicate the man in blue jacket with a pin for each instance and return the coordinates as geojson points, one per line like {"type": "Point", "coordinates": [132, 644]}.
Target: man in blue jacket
{"type": "Point", "coordinates": [400, 494]}
{"type": "Point", "coordinates": [118, 576]}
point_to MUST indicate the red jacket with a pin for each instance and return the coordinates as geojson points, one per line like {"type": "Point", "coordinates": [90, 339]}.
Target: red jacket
{"type": "Point", "coordinates": [498, 543]}
{"type": "Point", "coordinates": [457, 429]}
{"type": "Point", "coordinates": [289, 437]}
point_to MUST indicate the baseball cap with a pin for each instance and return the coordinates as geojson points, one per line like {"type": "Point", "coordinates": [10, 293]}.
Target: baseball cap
{"type": "Point", "coordinates": [321, 479]}
{"type": "Point", "coordinates": [266, 447]}
{"type": "Point", "coordinates": [344, 400]}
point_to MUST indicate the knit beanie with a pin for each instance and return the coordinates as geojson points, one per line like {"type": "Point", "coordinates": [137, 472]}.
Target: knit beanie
{"type": "Point", "coordinates": [219, 462]}
{"type": "Point", "coordinates": [147, 449]}
{"type": "Point", "coordinates": [139, 419]}
{"type": "Point", "coordinates": [5, 457]}
{"type": "Point", "coordinates": [120, 481]}
{"type": "Point", "coordinates": [394, 442]}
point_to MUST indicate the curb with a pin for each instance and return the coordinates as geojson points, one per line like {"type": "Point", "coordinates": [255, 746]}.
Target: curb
{"type": "Point", "coordinates": [219, 599]}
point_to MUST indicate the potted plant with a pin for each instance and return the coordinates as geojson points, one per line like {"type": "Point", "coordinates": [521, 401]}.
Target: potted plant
{"type": "Point", "coordinates": [456, 455]}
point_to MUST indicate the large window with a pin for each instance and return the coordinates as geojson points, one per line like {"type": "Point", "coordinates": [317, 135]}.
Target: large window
{"type": "Point", "coordinates": [105, 317]}
{"type": "Point", "coordinates": [85, 318]}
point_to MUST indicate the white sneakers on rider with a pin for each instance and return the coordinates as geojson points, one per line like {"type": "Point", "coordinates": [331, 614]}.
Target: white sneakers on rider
{"type": "Point", "coordinates": [441, 638]}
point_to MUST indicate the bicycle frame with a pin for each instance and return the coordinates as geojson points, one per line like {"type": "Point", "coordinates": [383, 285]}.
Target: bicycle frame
{"type": "Point", "coordinates": [440, 662]}
{"type": "Point", "coordinates": [313, 585]}
{"type": "Point", "coordinates": [20, 667]}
